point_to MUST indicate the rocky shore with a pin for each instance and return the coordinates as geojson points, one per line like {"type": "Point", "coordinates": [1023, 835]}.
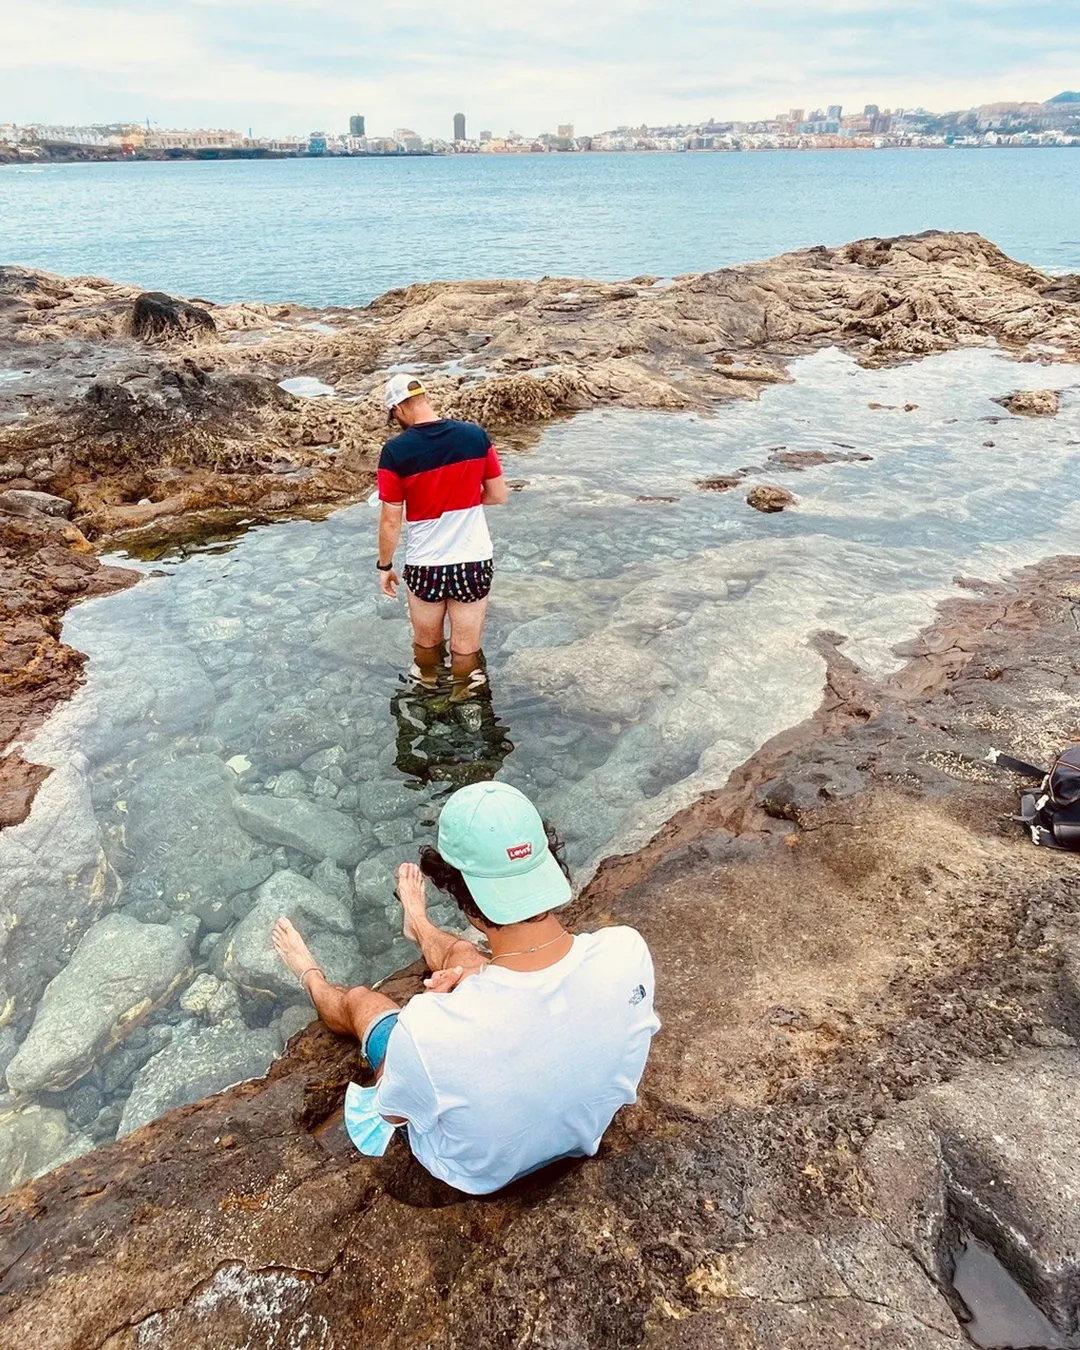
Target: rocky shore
{"type": "Point", "coordinates": [857, 1065]}
{"type": "Point", "coordinates": [149, 417]}
{"type": "Point", "coordinates": [870, 986]}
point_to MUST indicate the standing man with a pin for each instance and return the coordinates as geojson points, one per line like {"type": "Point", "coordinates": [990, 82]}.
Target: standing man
{"type": "Point", "coordinates": [438, 474]}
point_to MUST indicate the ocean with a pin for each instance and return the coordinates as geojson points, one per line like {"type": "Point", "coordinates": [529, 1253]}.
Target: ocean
{"type": "Point", "coordinates": [341, 231]}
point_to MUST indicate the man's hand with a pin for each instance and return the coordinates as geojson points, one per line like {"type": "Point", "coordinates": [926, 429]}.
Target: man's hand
{"type": "Point", "coordinates": [444, 980]}
{"type": "Point", "coordinates": [388, 583]}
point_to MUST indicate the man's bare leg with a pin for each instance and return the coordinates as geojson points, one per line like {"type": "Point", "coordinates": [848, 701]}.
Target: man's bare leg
{"type": "Point", "coordinates": [441, 951]}
{"type": "Point", "coordinates": [428, 625]}
{"type": "Point", "coordinates": [466, 631]}
{"type": "Point", "coordinates": [349, 1012]}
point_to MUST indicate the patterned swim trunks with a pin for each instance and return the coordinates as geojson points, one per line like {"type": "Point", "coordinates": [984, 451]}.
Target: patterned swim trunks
{"type": "Point", "coordinates": [466, 581]}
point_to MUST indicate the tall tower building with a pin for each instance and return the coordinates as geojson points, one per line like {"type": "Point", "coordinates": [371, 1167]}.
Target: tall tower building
{"type": "Point", "coordinates": [356, 125]}
{"type": "Point", "coordinates": [459, 126]}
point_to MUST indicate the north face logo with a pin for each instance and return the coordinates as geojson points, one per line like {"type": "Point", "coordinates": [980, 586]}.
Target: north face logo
{"type": "Point", "coordinates": [519, 851]}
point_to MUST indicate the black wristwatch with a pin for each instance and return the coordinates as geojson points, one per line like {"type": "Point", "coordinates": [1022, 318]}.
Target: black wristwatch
{"type": "Point", "coordinates": [385, 567]}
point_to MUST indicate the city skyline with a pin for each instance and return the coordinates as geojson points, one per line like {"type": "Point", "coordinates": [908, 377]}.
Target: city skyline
{"type": "Point", "coordinates": [283, 68]}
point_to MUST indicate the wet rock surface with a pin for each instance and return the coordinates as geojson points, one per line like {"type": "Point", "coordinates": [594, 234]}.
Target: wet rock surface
{"type": "Point", "coordinates": [196, 1065]}
{"type": "Point", "coordinates": [1032, 402]}
{"type": "Point", "coordinates": [119, 970]}
{"type": "Point", "coordinates": [856, 999]}
{"type": "Point", "coordinates": [769, 499]}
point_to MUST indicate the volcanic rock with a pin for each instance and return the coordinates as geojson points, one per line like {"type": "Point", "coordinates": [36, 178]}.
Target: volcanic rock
{"type": "Point", "coordinates": [1032, 402]}
{"type": "Point", "coordinates": [156, 315]}
{"type": "Point", "coordinates": [768, 499]}
{"type": "Point", "coordinates": [196, 1066]}
{"type": "Point", "coordinates": [319, 831]}
{"type": "Point", "coordinates": [249, 960]}
{"type": "Point", "coordinates": [119, 971]}
{"type": "Point", "coordinates": [23, 502]}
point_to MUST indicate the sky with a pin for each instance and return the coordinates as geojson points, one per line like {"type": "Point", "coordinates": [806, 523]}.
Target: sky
{"type": "Point", "coordinates": [306, 65]}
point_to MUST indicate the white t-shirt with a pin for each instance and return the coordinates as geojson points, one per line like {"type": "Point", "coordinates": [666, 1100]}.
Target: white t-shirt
{"type": "Point", "coordinates": [513, 1069]}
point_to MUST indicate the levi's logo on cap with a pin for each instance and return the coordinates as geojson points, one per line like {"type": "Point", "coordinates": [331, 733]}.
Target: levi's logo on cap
{"type": "Point", "coordinates": [519, 851]}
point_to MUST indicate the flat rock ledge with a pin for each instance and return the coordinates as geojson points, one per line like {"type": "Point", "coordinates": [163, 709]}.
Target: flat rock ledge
{"type": "Point", "coordinates": [870, 986]}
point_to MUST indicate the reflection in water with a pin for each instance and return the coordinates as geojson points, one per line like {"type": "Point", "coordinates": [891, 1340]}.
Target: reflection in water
{"type": "Point", "coordinates": [444, 738]}
{"type": "Point", "coordinates": [230, 756]}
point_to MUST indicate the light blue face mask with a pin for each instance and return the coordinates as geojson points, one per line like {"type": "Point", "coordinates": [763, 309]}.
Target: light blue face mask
{"type": "Point", "coordinates": [367, 1129]}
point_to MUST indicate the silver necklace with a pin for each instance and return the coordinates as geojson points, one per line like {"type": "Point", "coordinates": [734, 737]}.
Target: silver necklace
{"type": "Point", "coordinates": [529, 950]}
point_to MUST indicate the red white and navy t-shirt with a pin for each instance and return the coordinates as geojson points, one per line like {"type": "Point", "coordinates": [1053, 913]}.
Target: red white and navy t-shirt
{"type": "Point", "coordinates": [438, 470]}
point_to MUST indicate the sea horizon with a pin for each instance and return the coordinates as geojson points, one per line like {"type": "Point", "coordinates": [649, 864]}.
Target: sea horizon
{"type": "Point", "coordinates": [320, 232]}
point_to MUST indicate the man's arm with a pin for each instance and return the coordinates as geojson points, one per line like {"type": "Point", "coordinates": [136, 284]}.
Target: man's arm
{"type": "Point", "coordinates": [390, 518]}
{"type": "Point", "coordinates": [495, 492]}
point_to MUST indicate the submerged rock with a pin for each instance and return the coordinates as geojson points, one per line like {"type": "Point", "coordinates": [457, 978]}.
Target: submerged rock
{"type": "Point", "coordinates": [768, 499]}
{"type": "Point", "coordinates": [182, 827]}
{"type": "Point", "coordinates": [32, 1139]}
{"type": "Point", "coordinates": [196, 1066]}
{"type": "Point", "coordinates": [318, 831]}
{"type": "Point", "coordinates": [54, 882]}
{"type": "Point", "coordinates": [1032, 402]}
{"type": "Point", "coordinates": [119, 971]}
{"type": "Point", "coordinates": [550, 630]}
{"type": "Point", "coordinates": [326, 923]}
{"type": "Point", "coordinates": [292, 736]}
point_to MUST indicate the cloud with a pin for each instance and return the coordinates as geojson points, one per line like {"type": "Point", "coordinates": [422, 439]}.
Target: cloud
{"type": "Point", "coordinates": [310, 63]}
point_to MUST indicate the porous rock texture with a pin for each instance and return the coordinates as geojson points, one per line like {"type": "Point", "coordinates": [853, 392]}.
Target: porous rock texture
{"type": "Point", "coordinates": [861, 962]}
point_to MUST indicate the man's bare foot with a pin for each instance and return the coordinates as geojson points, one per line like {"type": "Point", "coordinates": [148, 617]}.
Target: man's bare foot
{"type": "Point", "coordinates": [292, 948]}
{"type": "Point", "coordinates": [412, 892]}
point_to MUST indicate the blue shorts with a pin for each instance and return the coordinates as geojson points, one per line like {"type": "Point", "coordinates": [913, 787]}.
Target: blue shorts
{"type": "Point", "coordinates": [376, 1038]}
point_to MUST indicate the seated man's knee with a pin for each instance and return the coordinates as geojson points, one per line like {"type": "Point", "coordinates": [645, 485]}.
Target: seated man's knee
{"type": "Point", "coordinates": [465, 955]}
{"type": "Point", "coordinates": [362, 1006]}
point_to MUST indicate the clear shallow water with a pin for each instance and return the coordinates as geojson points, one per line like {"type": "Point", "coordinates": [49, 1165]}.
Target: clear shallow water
{"type": "Point", "coordinates": [244, 728]}
{"type": "Point", "coordinates": [342, 231]}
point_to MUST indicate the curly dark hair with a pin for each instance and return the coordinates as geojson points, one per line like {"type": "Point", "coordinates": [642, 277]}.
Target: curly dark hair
{"type": "Point", "coordinates": [448, 878]}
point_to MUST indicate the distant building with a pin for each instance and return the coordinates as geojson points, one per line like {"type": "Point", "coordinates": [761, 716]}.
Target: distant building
{"type": "Point", "coordinates": [188, 140]}
{"type": "Point", "coordinates": [566, 131]}
{"type": "Point", "coordinates": [356, 125]}
{"type": "Point", "coordinates": [871, 110]}
{"type": "Point", "coordinates": [797, 115]}
{"type": "Point", "coordinates": [836, 111]}
{"type": "Point", "coordinates": [485, 136]}
{"type": "Point", "coordinates": [459, 126]}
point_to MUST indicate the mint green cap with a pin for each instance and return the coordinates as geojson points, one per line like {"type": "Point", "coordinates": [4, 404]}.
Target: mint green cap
{"type": "Point", "coordinates": [494, 836]}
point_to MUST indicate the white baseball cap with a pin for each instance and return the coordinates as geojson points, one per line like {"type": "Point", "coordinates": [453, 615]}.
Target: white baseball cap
{"type": "Point", "coordinates": [399, 388]}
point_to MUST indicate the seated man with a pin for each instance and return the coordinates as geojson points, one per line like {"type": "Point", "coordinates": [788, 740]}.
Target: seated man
{"type": "Point", "coordinates": [509, 1061]}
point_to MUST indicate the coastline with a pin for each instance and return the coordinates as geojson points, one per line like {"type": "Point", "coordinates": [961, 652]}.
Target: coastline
{"type": "Point", "coordinates": [224, 155]}
{"type": "Point", "coordinates": [137, 437]}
